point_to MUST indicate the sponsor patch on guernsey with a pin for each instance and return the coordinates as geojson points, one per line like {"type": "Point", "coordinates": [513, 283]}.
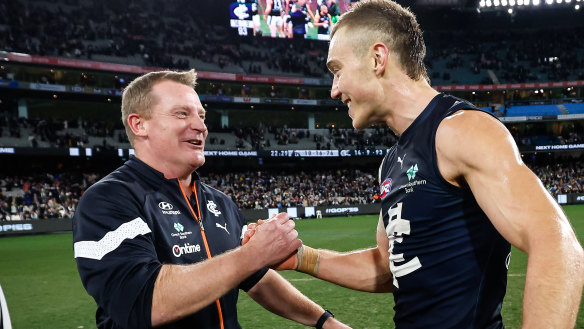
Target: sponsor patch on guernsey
{"type": "Point", "coordinates": [385, 188]}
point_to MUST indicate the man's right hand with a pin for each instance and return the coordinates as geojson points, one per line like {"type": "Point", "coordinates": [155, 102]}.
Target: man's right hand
{"type": "Point", "coordinates": [274, 240]}
{"type": "Point", "coordinates": [289, 263]}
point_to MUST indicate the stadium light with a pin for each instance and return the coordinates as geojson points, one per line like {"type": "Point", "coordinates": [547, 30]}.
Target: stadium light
{"type": "Point", "coordinates": [514, 5]}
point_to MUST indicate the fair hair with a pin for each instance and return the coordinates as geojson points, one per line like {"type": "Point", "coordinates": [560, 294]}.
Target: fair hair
{"type": "Point", "coordinates": [385, 21]}
{"type": "Point", "coordinates": [137, 97]}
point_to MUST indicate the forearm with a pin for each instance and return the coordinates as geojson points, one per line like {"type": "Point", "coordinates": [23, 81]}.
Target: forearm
{"type": "Point", "coordinates": [181, 290]}
{"type": "Point", "coordinates": [553, 288]}
{"type": "Point", "coordinates": [364, 270]}
{"type": "Point", "coordinates": [279, 297]}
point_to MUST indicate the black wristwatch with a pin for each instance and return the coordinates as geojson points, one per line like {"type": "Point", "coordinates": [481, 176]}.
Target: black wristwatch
{"type": "Point", "coordinates": [327, 314]}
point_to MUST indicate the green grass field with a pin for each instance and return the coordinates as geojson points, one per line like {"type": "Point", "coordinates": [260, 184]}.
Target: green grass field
{"type": "Point", "coordinates": [43, 290]}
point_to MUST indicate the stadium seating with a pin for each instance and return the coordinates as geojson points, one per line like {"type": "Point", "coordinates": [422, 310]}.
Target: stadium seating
{"type": "Point", "coordinates": [176, 37]}
{"type": "Point", "coordinates": [181, 39]}
{"type": "Point", "coordinates": [56, 195]}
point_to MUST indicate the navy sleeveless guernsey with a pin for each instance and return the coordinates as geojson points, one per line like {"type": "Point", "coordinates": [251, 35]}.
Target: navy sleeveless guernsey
{"type": "Point", "coordinates": [449, 264]}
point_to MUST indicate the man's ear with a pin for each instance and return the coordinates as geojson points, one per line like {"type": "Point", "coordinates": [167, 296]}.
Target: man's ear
{"type": "Point", "coordinates": [380, 58]}
{"type": "Point", "coordinates": [136, 123]}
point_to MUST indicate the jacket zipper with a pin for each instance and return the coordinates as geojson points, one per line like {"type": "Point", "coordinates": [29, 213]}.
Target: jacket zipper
{"type": "Point", "coordinates": [199, 220]}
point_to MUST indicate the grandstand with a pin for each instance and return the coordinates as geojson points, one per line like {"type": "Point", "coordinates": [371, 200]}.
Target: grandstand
{"type": "Point", "coordinates": [276, 139]}
{"type": "Point", "coordinates": [60, 94]}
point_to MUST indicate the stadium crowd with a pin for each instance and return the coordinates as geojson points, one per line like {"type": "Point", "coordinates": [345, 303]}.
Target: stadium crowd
{"type": "Point", "coordinates": [175, 35]}
{"type": "Point", "coordinates": [45, 196]}
{"type": "Point", "coordinates": [42, 196]}
{"type": "Point", "coordinates": [562, 178]}
{"type": "Point", "coordinates": [260, 190]}
{"type": "Point", "coordinates": [169, 36]}
{"type": "Point", "coordinates": [172, 34]}
{"type": "Point", "coordinates": [75, 133]}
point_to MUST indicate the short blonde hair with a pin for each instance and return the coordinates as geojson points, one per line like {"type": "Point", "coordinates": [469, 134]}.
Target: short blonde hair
{"type": "Point", "coordinates": [137, 98]}
{"type": "Point", "coordinates": [388, 22]}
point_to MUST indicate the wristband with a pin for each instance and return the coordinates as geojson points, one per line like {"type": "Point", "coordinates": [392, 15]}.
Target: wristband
{"type": "Point", "coordinates": [327, 314]}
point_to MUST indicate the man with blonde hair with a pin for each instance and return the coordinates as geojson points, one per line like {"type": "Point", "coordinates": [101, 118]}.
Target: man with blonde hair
{"type": "Point", "coordinates": [454, 193]}
{"type": "Point", "coordinates": [156, 247]}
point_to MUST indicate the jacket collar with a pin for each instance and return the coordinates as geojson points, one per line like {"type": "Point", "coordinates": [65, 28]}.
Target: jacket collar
{"type": "Point", "coordinates": [150, 173]}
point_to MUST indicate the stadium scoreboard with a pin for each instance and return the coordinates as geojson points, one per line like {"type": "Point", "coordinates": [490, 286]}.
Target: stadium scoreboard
{"type": "Point", "coordinates": [326, 153]}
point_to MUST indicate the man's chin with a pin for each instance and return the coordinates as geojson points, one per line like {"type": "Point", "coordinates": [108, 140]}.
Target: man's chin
{"type": "Point", "coordinates": [359, 125]}
{"type": "Point", "coordinates": [198, 161]}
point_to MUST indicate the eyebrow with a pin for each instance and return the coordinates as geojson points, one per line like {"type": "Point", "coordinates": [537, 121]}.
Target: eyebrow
{"type": "Point", "coordinates": [189, 108]}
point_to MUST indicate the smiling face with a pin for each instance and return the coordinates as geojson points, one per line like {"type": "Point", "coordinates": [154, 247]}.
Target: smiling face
{"type": "Point", "coordinates": [354, 81]}
{"type": "Point", "coordinates": [172, 139]}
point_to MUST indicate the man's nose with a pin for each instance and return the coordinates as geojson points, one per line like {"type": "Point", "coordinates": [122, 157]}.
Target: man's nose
{"type": "Point", "coordinates": [198, 124]}
{"type": "Point", "coordinates": [335, 92]}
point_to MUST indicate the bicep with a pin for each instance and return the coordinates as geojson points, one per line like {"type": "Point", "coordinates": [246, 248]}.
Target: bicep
{"type": "Point", "coordinates": [515, 201]}
{"type": "Point", "coordinates": [489, 162]}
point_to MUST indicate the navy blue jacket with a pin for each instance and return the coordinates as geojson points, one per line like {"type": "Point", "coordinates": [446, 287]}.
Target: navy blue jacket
{"type": "Point", "coordinates": [134, 220]}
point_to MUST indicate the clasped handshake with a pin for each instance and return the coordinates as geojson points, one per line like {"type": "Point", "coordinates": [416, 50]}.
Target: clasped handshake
{"type": "Point", "coordinates": [278, 241]}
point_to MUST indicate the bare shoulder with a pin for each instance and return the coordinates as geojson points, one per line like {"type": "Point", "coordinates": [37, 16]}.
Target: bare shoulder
{"type": "Point", "coordinates": [470, 123]}
{"type": "Point", "coordinates": [468, 140]}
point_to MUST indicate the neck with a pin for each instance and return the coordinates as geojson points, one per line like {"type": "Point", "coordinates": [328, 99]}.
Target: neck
{"type": "Point", "coordinates": [406, 103]}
